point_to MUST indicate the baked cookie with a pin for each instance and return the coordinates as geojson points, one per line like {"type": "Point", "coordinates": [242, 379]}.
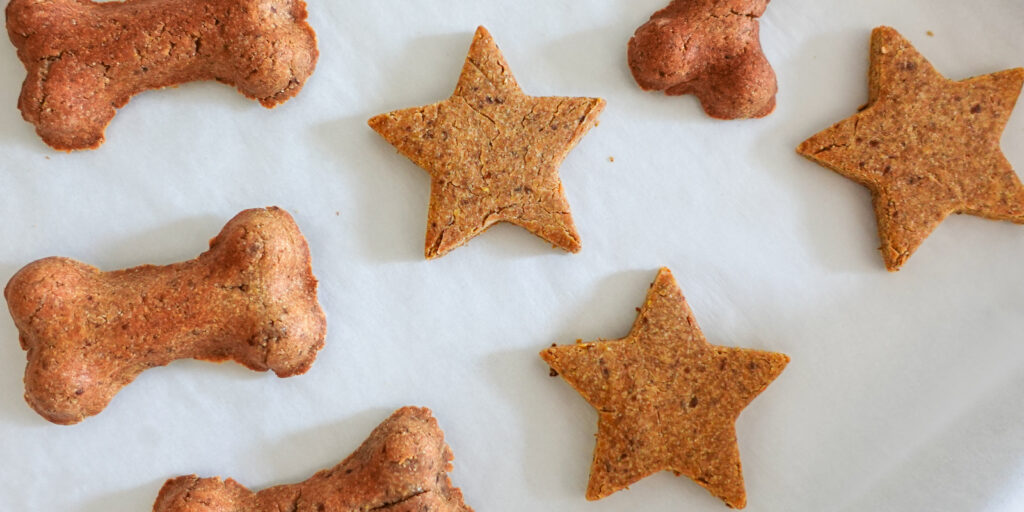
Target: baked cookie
{"type": "Point", "coordinates": [492, 153]}
{"type": "Point", "coordinates": [251, 298]}
{"type": "Point", "coordinates": [709, 48]}
{"type": "Point", "coordinates": [402, 467]}
{"type": "Point", "coordinates": [925, 146]}
{"type": "Point", "coordinates": [667, 400]}
{"type": "Point", "coordinates": [86, 59]}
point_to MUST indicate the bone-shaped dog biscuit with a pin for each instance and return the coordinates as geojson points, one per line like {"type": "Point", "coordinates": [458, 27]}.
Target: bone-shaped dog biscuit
{"type": "Point", "coordinates": [709, 48]}
{"type": "Point", "coordinates": [86, 59]}
{"type": "Point", "coordinates": [251, 298]}
{"type": "Point", "coordinates": [402, 467]}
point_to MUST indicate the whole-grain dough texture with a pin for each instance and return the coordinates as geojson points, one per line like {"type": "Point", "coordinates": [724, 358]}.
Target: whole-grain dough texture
{"type": "Point", "coordinates": [492, 153]}
{"type": "Point", "coordinates": [666, 398]}
{"type": "Point", "coordinates": [86, 59]}
{"type": "Point", "coordinates": [709, 48]}
{"type": "Point", "coordinates": [251, 298]}
{"type": "Point", "coordinates": [402, 467]}
{"type": "Point", "coordinates": [925, 146]}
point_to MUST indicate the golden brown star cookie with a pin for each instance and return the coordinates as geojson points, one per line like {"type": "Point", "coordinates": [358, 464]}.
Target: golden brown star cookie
{"type": "Point", "coordinates": [925, 146]}
{"type": "Point", "coordinates": [492, 153]}
{"type": "Point", "coordinates": [666, 398]}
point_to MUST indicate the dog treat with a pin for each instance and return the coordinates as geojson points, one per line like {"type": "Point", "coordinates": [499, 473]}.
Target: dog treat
{"type": "Point", "coordinates": [86, 59]}
{"type": "Point", "coordinates": [492, 153]}
{"type": "Point", "coordinates": [710, 48]}
{"type": "Point", "coordinates": [925, 146]}
{"type": "Point", "coordinates": [251, 298]}
{"type": "Point", "coordinates": [402, 467]}
{"type": "Point", "coordinates": [666, 398]}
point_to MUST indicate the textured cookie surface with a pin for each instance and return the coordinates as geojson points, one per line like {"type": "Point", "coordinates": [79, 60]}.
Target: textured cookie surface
{"type": "Point", "coordinates": [708, 48]}
{"type": "Point", "coordinates": [402, 467]}
{"type": "Point", "coordinates": [86, 59]}
{"type": "Point", "coordinates": [925, 146]}
{"type": "Point", "coordinates": [251, 298]}
{"type": "Point", "coordinates": [492, 153]}
{"type": "Point", "coordinates": [666, 398]}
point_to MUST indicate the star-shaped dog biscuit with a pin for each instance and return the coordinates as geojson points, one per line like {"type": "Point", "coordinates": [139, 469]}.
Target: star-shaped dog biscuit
{"type": "Point", "coordinates": [492, 153]}
{"type": "Point", "coordinates": [925, 146]}
{"type": "Point", "coordinates": [666, 398]}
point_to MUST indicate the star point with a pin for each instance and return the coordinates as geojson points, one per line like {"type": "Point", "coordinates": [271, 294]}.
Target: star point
{"type": "Point", "coordinates": [492, 152]}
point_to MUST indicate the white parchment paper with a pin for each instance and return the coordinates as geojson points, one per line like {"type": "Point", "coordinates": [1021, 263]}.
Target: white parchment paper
{"type": "Point", "coordinates": [905, 391]}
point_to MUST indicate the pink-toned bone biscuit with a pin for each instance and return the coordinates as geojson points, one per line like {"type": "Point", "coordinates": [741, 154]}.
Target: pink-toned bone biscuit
{"type": "Point", "coordinates": [86, 59]}
{"type": "Point", "coordinates": [402, 467]}
{"type": "Point", "coordinates": [251, 298]}
{"type": "Point", "coordinates": [709, 48]}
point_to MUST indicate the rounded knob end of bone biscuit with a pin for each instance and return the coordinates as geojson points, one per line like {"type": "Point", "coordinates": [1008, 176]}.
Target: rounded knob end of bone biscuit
{"type": "Point", "coordinates": [193, 494]}
{"type": "Point", "coordinates": [745, 89]}
{"type": "Point", "coordinates": [658, 56]}
{"type": "Point", "coordinates": [63, 397]}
